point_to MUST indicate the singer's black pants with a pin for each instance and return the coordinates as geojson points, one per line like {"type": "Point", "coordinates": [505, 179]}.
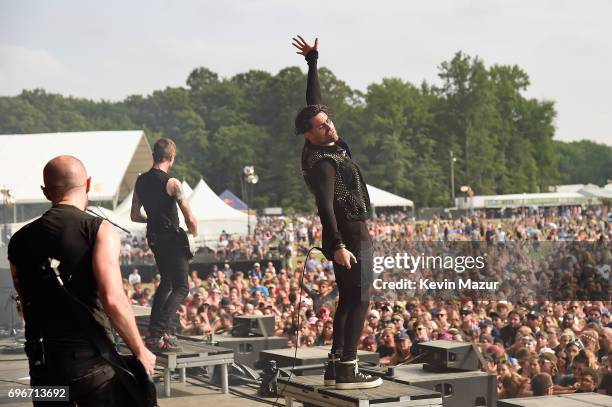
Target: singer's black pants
{"type": "Point", "coordinates": [354, 287]}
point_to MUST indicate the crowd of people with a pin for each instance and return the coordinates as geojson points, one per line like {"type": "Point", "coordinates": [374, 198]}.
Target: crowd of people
{"type": "Point", "coordinates": [536, 345]}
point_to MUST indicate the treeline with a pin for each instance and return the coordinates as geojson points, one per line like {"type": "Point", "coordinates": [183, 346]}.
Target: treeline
{"type": "Point", "coordinates": [400, 133]}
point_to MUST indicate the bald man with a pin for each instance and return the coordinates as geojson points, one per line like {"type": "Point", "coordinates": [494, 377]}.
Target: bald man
{"type": "Point", "coordinates": [60, 353]}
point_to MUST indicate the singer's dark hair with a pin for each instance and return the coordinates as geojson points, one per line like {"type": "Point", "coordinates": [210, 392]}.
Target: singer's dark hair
{"type": "Point", "coordinates": [302, 120]}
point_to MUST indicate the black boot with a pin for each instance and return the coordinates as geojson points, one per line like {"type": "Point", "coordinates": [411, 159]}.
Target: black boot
{"type": "Point", "coordinates": [329, 378]}
{"type": "Point", "coordinates": [349, 377]}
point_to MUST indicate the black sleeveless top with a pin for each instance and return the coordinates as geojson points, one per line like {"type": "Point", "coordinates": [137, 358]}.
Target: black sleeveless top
{"type": "Point", "coordinates": [67, 234]}
{"type": "Point", "coordinates": [162, 214]}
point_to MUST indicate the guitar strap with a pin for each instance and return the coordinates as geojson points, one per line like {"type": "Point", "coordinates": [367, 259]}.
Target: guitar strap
{"type": "Point", "coordinates": [139, 384]}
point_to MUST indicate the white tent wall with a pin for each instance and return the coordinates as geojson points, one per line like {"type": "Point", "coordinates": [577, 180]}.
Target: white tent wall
{"type": "Point", "coordinates": [125, 206]}
{"type": "Point", "coordinates": [121, 219]}
{"type": "Point", "coordinates": [379, 198]}
{"type": "Point", "coordinates": [27, 154]}
{"type": "Point", "coordinates": [214, 216]}
{"type": "Point", "coordinates": [187, 190]}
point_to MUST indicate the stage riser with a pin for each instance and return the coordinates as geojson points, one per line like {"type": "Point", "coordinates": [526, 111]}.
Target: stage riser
{"type": "Point", "coordinates": [310, 390]}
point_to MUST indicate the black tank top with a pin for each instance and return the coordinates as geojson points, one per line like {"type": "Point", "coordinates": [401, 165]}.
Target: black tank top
{"type": "Point", "coordinates": [67, 234]}
{"type": "Point", "coordinates": [162, 214]}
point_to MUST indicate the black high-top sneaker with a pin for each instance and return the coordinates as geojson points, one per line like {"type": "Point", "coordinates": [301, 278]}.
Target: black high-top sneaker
{"type": "Point", "coordinates": [349, 377]}
{"type": "Point", "coordinates": [329, 378]}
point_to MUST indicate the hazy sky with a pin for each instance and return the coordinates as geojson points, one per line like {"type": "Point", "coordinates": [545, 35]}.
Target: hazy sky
{"type": "Point", "coordinates": [111, 49]}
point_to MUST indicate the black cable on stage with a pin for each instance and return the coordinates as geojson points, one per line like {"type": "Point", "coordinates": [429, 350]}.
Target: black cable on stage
{"type": "Point", "coordinates": [297, 333]}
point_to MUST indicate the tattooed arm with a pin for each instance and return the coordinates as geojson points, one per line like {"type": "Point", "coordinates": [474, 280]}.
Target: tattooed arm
{"type": "Point", "coordinates": [175, 190]}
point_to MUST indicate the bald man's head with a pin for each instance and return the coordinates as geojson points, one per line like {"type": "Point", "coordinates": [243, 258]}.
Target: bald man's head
{"type": "Point", "coordinates": [64, 175]}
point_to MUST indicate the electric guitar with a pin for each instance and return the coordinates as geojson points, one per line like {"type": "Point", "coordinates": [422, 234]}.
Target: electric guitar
{"type": "Point", "coordinates": [188, 242]}
{"type": "Point", "coordinates": [129, 370]}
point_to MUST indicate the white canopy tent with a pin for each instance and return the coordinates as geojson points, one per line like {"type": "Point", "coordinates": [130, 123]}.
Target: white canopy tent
{"type": "Point", "coordinates": [523, 200]}
{"type": "Point", "coordinates": [113, 159]}
{"type": "Point", "coordinates": [125, 206]}
{"type": "Point", "coordinates": [379, 198]}
{"type": "Point", "coordinates": [595, 191]}
{"type": "Point", "coordinates": [187, 190]}
{"type": "Point", "coordinates": [214, 216]}
{"type": "Point", "coordinates": [121, 219]}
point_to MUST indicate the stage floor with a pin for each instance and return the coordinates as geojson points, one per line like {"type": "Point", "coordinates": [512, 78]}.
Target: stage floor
{"type": "Point", "coordinates": [14, 374]}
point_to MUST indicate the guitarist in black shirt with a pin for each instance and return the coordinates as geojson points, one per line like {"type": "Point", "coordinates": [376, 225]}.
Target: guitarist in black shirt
{"type": "Point", "coordinates": [159, 194]}
{"type": "Point", "coordinates": [61, 351]}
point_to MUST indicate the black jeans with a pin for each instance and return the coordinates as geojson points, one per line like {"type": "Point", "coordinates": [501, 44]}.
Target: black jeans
{"type": "Point", "coordinates": [173, 265]}
{"type": "Point", "coordinates": [354, 286]}
{"type": "Point", "coordinates": [91, 379]}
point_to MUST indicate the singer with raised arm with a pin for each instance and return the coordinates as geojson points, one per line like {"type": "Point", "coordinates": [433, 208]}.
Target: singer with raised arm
{"type": "Point", "coordinates": [343, 204]}
{"type": "Point", "coordinates": [159, 194]}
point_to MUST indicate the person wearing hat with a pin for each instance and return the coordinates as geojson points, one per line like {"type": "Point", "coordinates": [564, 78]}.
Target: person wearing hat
{"type": "Point", "coordinates": [374, 320]}
{"type": "Point", "coordinates": [548, 364]}
{"type": "Point", "coordinates": [386, 311]}
{"type": "Point", "coordinates": [403, 344]}
{"type": "Point", "coordinates": [398, 321]}
{"type": "Point", "coordinates": [503, 308]}
{"type": "Point", "coordinates": [256, 271]}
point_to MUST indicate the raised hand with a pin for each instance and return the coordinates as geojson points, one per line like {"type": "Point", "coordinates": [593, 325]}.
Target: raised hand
{"type": "Point", "coordinates": [303, 46]}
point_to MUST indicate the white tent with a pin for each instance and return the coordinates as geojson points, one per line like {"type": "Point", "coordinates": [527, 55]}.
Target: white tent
{"type": "Point", "coordinates": [594, 191]}
{"type": "Point", "coordinates": [125, 206]}
{"type": "Point", "coordinates": [215, 216]}
{"type": "Point", "coordinates": [522, 200]}
{"type": "Point", "coordinates": [121, 219]}
{"type": "Point", "coordinates": [379, 197]}
{"type": "Point", "coordinates": [186, 189]}
{"type": "Point", "coordinates": [113, 159]}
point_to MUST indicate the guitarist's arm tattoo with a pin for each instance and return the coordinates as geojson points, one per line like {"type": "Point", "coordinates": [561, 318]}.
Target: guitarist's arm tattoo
{"type": "Point", "coordinates": [175, 190]}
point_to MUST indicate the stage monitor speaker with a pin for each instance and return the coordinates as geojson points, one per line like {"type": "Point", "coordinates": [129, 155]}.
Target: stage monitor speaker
{"type": "Point", "coordinates": [458, 389]}
{"type": "Point", "coordinates": [449, 355]}
{"type": "Point", "coordinates": [247, 350]}
{"type": "Point", "coordinates": [253, 325]}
